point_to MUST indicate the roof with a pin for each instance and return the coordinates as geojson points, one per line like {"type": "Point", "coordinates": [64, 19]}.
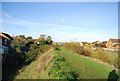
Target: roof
{"type": "Point", "coordinates": [7, 36]}
{"type": "Point", "coordinates": [104, 41]}
{"type": "Point", "coordinates": [115, 40]}
{"type": "Point", "coordinates": [85, 42]}
{"type": "Point", "coordinates": [95, 42]}
{"type": "Point", "coordinates": [116, 45]}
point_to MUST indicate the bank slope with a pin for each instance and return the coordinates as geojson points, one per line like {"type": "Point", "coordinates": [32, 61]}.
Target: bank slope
{"type": "Point", "coordinates": [64, 64]}
{"type": "Point", "coordinates": [86, 68]}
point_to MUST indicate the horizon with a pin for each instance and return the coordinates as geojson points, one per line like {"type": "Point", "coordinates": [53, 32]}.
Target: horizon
{"type": "Point", "coordinates": [63, 21]}
{"type": "Point", "coordinates": [60, 41]}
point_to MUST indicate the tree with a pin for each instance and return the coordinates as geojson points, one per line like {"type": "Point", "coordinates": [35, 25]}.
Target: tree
{"type": "Point", "coordinates": [44, 42]}
{"type": "Point", "coordinates": [42, 36]}
{"type": "Point", "coordinates": [29, 37]}
{"type": "Point", "coordinates": [49, 39]}
{"type": "Point", "coordinates": [22, 36]}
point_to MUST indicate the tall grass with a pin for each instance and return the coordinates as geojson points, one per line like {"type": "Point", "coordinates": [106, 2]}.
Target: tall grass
{"type": "Point", "coordinates": [77, 49]}
{"type": "Point", "coordinates": [109, 57]}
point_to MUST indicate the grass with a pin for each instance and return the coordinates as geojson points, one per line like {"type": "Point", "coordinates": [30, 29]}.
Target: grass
{"type": "Point", "coordinates": [36, 69]}
{"type": "Point", "coordinates": [65, 65]}
{"type": "Point", "coordinates": [106, 56]}
{"type": "Point", "coordinates": [86, 68]}
{"type": "Point", "coordinates": [61, 69]}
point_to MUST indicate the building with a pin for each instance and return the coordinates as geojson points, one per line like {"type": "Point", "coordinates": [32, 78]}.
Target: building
{"type": "Point", "coordinates": [96, 43]}
{"type": "Point", "coordinates": [113, 43]}
{"type": "Point", "coordinates": [104, 44]}
{"type": "Point", "coordinates": [84, 43]}
{"type": "Point", "coordinates": [5, 41]}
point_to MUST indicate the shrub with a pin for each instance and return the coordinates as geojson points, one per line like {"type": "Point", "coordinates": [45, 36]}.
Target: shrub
{"type": "Point", "coordinates": [35, 50]}
{"type": "Point", "coordinates": [77, 49]}
{"type": "Point", "coordinates": [103, 55]}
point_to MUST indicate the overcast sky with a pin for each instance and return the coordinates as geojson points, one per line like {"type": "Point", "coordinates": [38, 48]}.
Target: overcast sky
{"type": "Point", "coordinates": [64, 22]}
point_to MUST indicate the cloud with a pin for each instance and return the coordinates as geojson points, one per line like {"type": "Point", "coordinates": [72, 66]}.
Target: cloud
{"type": "Point", "coordinates": [34, 25]}
{"type": "Point", "coordinates": [63, 33]}
{"type": "Point", "coordinates": [38, 25]}
{"type": "Point", "coordinates": [28, 24]}
{"type": "Point", "coordinates": [6, 14]}
{"type": "Point", "coordinates": [59, 33]}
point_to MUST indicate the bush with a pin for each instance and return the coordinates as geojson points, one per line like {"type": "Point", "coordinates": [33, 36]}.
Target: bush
{"type": "Point", "coordinates": [26, 51]}
{"type": "Point", "coordinates": [106, 56]}
{"type": "Point", "coordinates": [103, 55]}
{"type": "Point", "coordinates": [43, 42]}
{"type": "Point", "coordinates": [77, 49]}
{"type": "Point", "coordinates": [36, 50]}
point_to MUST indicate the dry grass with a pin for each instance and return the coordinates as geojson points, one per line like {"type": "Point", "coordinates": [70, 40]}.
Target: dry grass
{"type": "Point", "coordinates": [36, 68]}
{"type": "Point", "coordinates": [103, 55]}
{"type": "Point", "coordinates": [44, 59]}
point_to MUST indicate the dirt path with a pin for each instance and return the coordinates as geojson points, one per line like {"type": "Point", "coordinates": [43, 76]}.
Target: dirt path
{"type": "Point", "coordinates": [97, 60]}
{"type": "Point", "coordinates": [44, 59]}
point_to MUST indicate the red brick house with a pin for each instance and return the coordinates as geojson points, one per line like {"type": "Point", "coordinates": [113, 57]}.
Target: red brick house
{"type": "Point", "coordinates": [113, 43]}
{"type": "Point", "coordinates": [96, 42]}
{"type": "Point", "coordinates": [104, 44]}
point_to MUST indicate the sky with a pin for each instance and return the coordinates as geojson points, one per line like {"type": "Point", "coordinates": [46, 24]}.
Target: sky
{"type": "Point", "coordinates": [63, 21]}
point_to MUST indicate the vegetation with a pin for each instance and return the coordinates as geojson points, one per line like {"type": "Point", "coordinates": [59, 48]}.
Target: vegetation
{"type": "Point", "coordinates": [86, 68]}
{"type": "Point", "coordinates": [36, 59]}
{"type": "Point", "coordinates": [60, 68]}
{"type": "Point", "coordinates": [29, 37]}
{"type": "Point", "coordinates": [65, 65]}
{"type": "Point", "coordinates": [28, 50]}
{"type": "Point", "coordinates": [35, 51]}
{"type": "Point", "coordinates": [77, 49]}
{"type": "Point", "coordinates": [23, 52]}
{"type": "Point", "coordinates": [103, 55]}
{"type": "Point", "coordinates": [22, 36]}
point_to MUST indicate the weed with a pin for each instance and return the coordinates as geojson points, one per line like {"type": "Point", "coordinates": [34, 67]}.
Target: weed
{"type": "Point", "coordinates": [60, 71]}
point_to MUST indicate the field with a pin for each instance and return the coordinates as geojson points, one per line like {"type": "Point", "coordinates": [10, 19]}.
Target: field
{"type": "Point", "coordinates": [67, 41]}
{"type": "Point", "coordinates": [63, 64]}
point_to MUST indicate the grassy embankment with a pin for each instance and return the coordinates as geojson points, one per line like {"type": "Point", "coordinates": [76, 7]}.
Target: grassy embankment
{"type": "Point", "coordinates": [64, 64]}
{"type": "Point", "coordinates": [98, 54]}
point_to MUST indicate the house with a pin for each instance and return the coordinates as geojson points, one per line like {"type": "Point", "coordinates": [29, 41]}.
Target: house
{"type": "Point", "coordinates": [83, 43]}
{"type": "Point", "coordinates": [113, 43]}
{"type": "Point", "coordinates": [96, 43]}
{"type": "Point", "coordinates": [5, 41]}
{"type": "Point", "coordinates": [104, 44]}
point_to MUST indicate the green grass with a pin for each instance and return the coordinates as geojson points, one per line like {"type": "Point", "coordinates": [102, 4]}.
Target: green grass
{"type": "Point", "coordinates": [86, 68]}
{"type": "Point", "coordinates": [65, 65]}
{"type": "Point", "coordinates": [60, 68]}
